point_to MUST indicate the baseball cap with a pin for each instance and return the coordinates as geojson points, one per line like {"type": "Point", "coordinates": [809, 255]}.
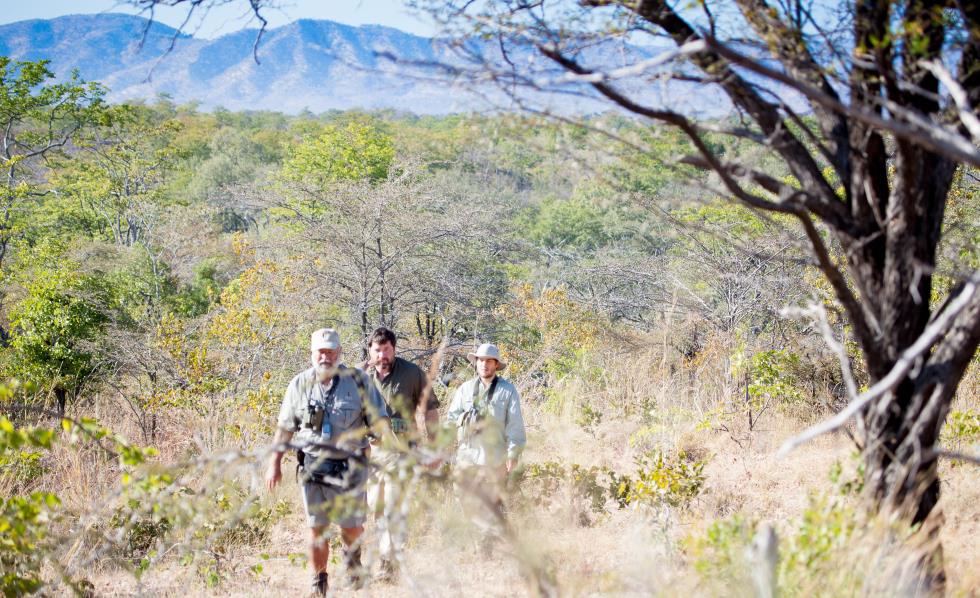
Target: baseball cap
{"type": "Point", "coordinates": [324, 338]}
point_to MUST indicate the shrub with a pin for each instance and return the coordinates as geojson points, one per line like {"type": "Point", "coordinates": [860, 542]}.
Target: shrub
{"type": "Point", "coordinates": [21, 467]}
{"type": "Point", "coordinates": [659, 480]}
{"type": "Point", "coordinates": [588, 418]}
{"type": "Point", "coordinates": [720, 552]}
{"type": "Point", "coordinates": [24, 520]}
{"type": "Point", "coordinates": [962, 428]}
{"type": "Point", "coordinates": [665, 480]}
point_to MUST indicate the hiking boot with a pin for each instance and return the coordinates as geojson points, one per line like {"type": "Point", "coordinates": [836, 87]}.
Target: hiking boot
{"type": "Point", "coordinates": [389, 571]}
{"type": "Point", "coordinates": [319, 587]}
{"type": "Point", "coordinates": [355, 573]}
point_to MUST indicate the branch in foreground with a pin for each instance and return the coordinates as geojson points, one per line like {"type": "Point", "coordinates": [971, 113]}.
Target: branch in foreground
{"type": "Point", "coordinates": [959, 95]}
{"type": "Point", "coordinates": [936, 138]}
{"type": "Point", "coordinates": [956, 456]}
{"type": "Point", "coordinates": [906, 361]}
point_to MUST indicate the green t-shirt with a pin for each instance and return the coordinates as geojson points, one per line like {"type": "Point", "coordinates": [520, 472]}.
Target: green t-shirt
{"type": "Point", "coordinates": [402, 390]}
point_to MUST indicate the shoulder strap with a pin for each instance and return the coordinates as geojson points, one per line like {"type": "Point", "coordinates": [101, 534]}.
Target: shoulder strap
{"type": "Point", "coordinates": [476, 389]}
{"type": "Point", "coordinates": [334, 384]}
{"type": "Point", "coordinates": [362, 392]}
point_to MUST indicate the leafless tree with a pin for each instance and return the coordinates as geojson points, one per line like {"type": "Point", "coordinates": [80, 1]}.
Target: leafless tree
{"type": "Point", "coordinates": [408, 247]}
{"type": "Point", "coordinates": [889, 90]}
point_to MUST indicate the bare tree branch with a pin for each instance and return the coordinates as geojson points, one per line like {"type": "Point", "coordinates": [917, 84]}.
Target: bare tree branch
{"type": "Point", "coordinates": [936, 138]}
{"type": "Point", "coordinates": [966, 112]}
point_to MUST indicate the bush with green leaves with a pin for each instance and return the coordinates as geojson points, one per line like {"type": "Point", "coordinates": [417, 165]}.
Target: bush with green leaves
{"type": "Point", "coordinates": [588, 418]}
{"type": "Point", "coordinates": [770, 380]}
{"type": "Point", "coordinates": [34, 527]}
{"type": "Point", "coordinates": [659, 480]}
{"type": "Point", "coordinates": [25, 521]}
{"type": "Point", "coordinates": [962, 429]}
{"type": "Point", "coordinates": [56, 326]}
{"type": "Point", "coordinates": [22, 468]}
{"type": "Point", "coordinates": [817, 546]}
{"type": "Point", "coordinates": [720, 552]}
{"type": "Point", "coordinates": [665, 479]}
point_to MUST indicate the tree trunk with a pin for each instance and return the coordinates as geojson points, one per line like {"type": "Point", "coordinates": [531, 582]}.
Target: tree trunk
{"type": "Point", "coordinates": [896, 478]}
{"type": "Point", "coordinates": [61, 396]}
{"type": "Point", "coordinates": [902, 437]}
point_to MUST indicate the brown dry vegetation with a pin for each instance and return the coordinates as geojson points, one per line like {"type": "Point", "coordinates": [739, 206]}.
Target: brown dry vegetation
{"type": "Point", "coordinates": [640, 550]}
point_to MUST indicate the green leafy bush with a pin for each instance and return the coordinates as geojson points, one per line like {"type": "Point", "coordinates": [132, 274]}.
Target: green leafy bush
{"type": "Point", "coordinates": [962, 428]}
{"type": "Point", "coordinates": [24, 520]}
{"type": "Point", "coordinates": [815, 547]}
{"type": "Point", "coordinates": [771, 381]}
{"type": "Point", "coordinates": [665, 480]}
{"type": "Point", "coordinates": [659, 480]}
{"type": "Point", "coordinates": [22, 467]}
{"type": "Point", "coordinates": [588, 418]}
{"type": "Point", "coordinates": [720, 552]}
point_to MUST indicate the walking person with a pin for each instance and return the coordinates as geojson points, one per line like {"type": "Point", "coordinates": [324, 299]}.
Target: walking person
{"type": "Point", "coordinates": [486, 412]}
{"type": "Point", "coordinates": [335, 407]}
{"type": "Point", "coordinates": [407, 392]}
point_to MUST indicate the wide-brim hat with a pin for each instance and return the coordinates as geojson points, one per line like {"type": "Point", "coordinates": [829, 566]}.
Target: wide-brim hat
{"type": "Point", "coordinates": [487, 351]}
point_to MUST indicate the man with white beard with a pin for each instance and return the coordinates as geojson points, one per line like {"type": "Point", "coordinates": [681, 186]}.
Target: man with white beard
{"type": "Point", "coordinates": [330, 409]}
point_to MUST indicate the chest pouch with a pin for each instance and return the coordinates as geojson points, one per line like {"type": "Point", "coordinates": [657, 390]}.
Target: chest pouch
{"type": "Point", "coordinates": [319, 423]}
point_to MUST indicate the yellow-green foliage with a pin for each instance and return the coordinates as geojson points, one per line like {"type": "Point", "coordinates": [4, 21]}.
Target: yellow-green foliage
{"type": "Point", "coordinates": [28, 534]}
{"type": "Point", "coordinates": [539, 483]}
{"type": "Point", "coordinates": [720, 552]}
{"type": "Point", "coordinates": [962, 428]}
{"type": "Point", "coordinates": [359, 150]}
{"type": "Point", "coordinates": [770, 377]}
{"type": "Point", "coordinates": [662, 479]}
{"type": "Point", "coordinates": [659, 480]}
{"type": "Point", "coordinates": [548, 329]}
{"type": "Point", "coordinates": [56, 325]}
{"type": "Point", "coordinates": [816, 549]}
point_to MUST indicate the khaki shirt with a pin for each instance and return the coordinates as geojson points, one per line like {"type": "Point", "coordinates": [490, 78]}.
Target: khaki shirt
{"type": "Point", "coordinates": [403, 389]}
{"type": "Point", "coordinates": [350, 413]}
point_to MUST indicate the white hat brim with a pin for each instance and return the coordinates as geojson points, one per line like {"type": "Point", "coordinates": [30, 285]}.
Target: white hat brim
{"type": "Point", "coordinates": [472, 357]}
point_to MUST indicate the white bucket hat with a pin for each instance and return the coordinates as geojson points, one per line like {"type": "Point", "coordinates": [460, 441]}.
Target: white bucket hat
{"type": "Point", "coordinates": [324, 338]}
{"type": "Point", "coordinates": [487, 351]}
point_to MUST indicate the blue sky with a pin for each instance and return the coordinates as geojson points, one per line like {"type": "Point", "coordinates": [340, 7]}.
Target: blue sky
{"type": "Point", "coordinates": [233, 16]}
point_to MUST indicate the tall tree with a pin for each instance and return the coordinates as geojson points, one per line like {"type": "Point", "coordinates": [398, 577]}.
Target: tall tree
{"type": "Point", "coordinates": [892, 88]}
{"type": "Point", "coordinates": [38, 118]}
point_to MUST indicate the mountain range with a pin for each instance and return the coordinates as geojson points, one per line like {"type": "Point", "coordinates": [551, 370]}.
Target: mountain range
{"type": "Point", "coordinates": [308, 64]}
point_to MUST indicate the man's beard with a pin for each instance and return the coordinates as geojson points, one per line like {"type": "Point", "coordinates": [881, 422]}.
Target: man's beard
{"type": "Point", "coordinates": [323, 372]}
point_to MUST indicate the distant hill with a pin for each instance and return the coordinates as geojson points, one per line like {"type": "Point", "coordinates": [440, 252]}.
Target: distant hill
{"type": "Point", "coordinates": [308, 64]}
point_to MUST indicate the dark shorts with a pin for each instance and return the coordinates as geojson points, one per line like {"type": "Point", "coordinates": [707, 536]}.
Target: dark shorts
{"type": "Point", "coordinates": [327, 503]}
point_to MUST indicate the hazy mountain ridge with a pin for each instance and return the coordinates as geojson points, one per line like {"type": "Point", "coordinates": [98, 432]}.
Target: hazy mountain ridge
{"type": "Point", "coordinates": [314, 64]}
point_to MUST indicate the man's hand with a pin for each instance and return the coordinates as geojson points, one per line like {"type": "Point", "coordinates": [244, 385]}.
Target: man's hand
{"type": "Point", "coordinates": [511, 464]}
{"type": "Point", "coordinates": [273, 473]}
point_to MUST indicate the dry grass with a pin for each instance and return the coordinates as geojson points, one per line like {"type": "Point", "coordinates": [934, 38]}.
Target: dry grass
{"type": "Point", "coordinates": [622, 552]}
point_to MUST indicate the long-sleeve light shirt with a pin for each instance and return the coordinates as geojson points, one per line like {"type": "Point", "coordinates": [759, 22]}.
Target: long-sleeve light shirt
{"type": "Point", "coordinates": [495, 436]}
